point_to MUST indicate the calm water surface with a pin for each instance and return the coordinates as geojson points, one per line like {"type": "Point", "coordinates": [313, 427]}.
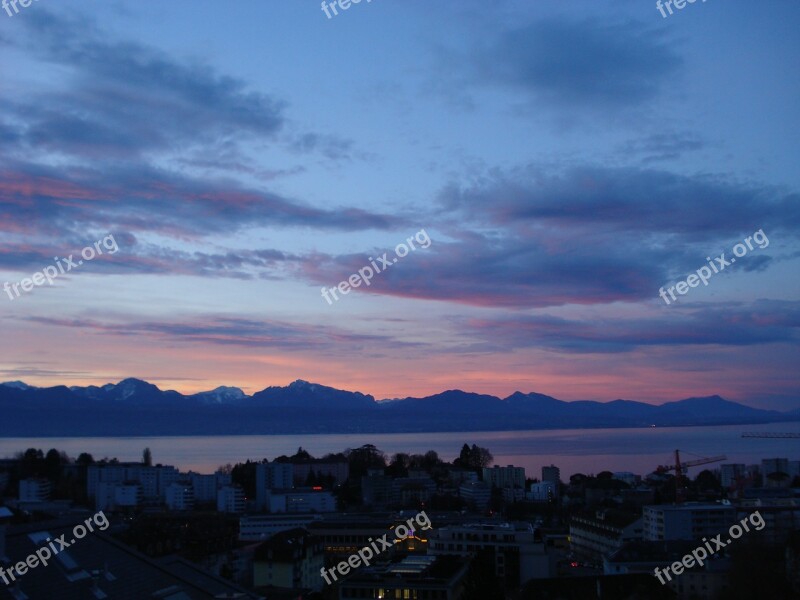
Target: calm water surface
{"type": "Point", "coordinates": [573, 450]}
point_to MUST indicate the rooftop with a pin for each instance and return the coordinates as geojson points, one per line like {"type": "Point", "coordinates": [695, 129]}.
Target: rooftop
{"type": "Point", "coordinates": [119, 571]}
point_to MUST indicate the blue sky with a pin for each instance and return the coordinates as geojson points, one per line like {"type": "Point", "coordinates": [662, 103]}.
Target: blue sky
{"type": "Point", "coordinates": [566, 159]}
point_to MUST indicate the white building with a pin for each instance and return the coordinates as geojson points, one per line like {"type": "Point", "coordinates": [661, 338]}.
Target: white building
{"type": "Point", "coordinates": [594, 536]}
{"type": "Point", "coordinates": [230, 499]}
{"type": "Point", "coordinates": [35, 490]}
{"type": "Point", "coordinates": [544, 491]}
{"type": "Point", "coordinates": [154, 480]}
{"type": "Point", "coordinates": [179, 496]}
{"type": "Point", "coordinates": [206, 487]}
{"type": "Point", "coordinates": [113, 496]}
{"type": "Point", "coordinates": [272, 476]}
{"type": "Point", "coordinates": [504, 477]}
{"type": "Point", "coordinates": [690, 521]}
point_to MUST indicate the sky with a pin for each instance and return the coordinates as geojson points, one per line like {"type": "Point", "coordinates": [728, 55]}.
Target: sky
{"type": "Point", "coordinates": [562, 162]}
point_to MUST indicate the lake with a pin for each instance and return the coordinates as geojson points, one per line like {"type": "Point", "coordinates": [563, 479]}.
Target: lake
{"type": "Point", "coordinates": [573, 450]}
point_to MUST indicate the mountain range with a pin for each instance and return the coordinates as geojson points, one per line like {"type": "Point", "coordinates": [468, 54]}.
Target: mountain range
{"type": "Point", "coordinates": [134, 407]}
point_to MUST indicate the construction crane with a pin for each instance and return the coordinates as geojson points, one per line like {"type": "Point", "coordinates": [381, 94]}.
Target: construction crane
{"type": "Point", "coordinates": [679, 467]}
{"type": "Point", "coordinates": [768, 434]}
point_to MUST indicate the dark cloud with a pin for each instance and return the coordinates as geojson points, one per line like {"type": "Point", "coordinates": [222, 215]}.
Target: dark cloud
{"type": "Point", "coordinates": [584, 236]}
{"type": "Point", "coordinates": [139, 198]}
{"type": "Point", "coordinates": [636, 201]}
{"type": "Point", "coordinates": [510, 272]}
{"type": "Point", "coordinates": [588, 63]}
{"type": "Point", "coordinates": [330, 146]}
{"type": "Point", "coordinates": [663, 146]}
{"type": "Point", "coordinates": [763, 322]}
{"type": "Point", "coordinates": [224, 330]}
{"type": "Point", "coordinates": [122, 99]}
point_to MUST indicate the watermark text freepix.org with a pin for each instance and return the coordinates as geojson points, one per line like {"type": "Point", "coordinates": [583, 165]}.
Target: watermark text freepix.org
{"type": "Point", "coordinates": [65, 265]}
{"type": "Point", "coordinates": [704, 273]}
{"type": "Point", "coordinates": [367, 553]}
{"type": "Point", "coordinates": [679, 4]}
{"type": "Point", "coordinates": [45, 553]}
{"type": "Point", "coordinates": [343, 4]}
{"type": "Point", "coordinates": [699, 554]}
{"type": "Point", "coordinates": [365, 274]}
{"type": "Point", "coordinates": [9, 4]}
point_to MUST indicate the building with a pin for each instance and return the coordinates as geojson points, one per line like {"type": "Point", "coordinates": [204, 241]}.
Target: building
{"type": "Point", "coordinates": [708, 582]}
{"type": "Point", "coordinates": [207, 486]}
{"type": "Point", "coordinates": [513, 494]}
{"type": "Point", "coordinates": [690, 521]}
{"type": "Point", "coordinates": [596, 535]}
{"type": "Point", "coordinates": [413, 577]}
{"type": "Point", "coordinates": [517, 553]}
{"type": "Point", "coordinates": [411, 491]}
{"type": "Point", "coordinates": [118, 496]}
{"type": "Point", "coordinates": [376, 489]}
{"type": "Point", "coordinates": [230, 499]}
{"type": "Point", "coordinates": [781, 516]}
{"type": "Point", "coordinates": [99, 567]}
{"type": "Point", "coordinates": [344, 535]}
{"type": "Point", "coordinates": [732, 474]}
{"type": "Point", "coordinates": [545, 491]}
{"type": "Point", "coordinates": [291, 559]}
{"type": "Point", "coordinates": [775, 467]}
{"type": "Point", "coordinates": [272, 476]}
{"type": "Point", "coordinates": [300, 500]}
{"type": "Point", "coordinates": [476, 494]}
{"type": "Point", "coordinates": [551, 473]}
{"type": "Point", "coordinates": [154, 480]}
{"type": "Point", "coordinates": [505, 477]}
{"type": "Point", "coordinates": [179, 496]}
{"type": "Point", "coordinates": [35, 490]}
{"type": "Point", "coordinates": [258, 528]}
{"type": "Point", "coordinates": [459, 476]}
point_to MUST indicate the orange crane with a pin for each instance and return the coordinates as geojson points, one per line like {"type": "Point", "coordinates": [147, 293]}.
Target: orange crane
{"type": "Point", "coordinates": [769, 434]}
{"type": "Point", "coordinates": [678, 467]}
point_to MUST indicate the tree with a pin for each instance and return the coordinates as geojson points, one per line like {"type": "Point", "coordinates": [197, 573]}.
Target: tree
{"type": "Point", "coordinates": [707, 481]}
{"type": "Point", "coordinates": [147, 457]}
{"type": "Point", "coordinates": [480, 457]}
{"type": "Point", "coordinates": [31, 463]}
{"type": "Point", "coordinates": [244, 474]}
{"type": "Point", "coordinates": [364, 458]}
{"type": "Point", "coordinates": [475, 458]}
{"type": "Point", "coordinates": [52, 465]}
{"type": "Point", "coordinates": [431, 460]}
{"type": "Point", "coordinates": [302, 454]}
{"type": "Point", "coordinates": [399, 465]}
{"type": "Point", "coordinates": [464, 456]}
{"type": "Point", "coordinates": [85, 459]}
